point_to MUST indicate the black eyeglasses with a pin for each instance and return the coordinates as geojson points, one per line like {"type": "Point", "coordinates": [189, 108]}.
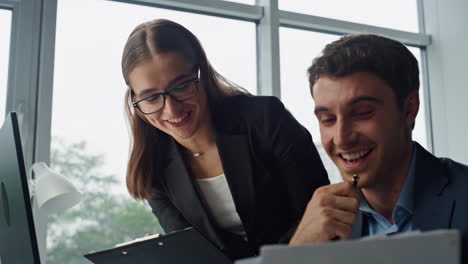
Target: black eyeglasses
{"type": "Point", "coordinates": [181, 92]}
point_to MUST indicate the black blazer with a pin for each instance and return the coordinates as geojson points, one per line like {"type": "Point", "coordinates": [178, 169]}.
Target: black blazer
{"type": "Point", "coordinates": [271, 165]}
{"type": "Point", "coordinates": [440, 197]}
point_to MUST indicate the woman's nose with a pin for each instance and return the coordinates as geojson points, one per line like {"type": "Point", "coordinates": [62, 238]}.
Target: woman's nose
{"type": "Point", "coordinates": [171, 106]}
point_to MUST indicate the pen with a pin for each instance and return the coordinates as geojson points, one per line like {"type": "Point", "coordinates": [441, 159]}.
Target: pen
{"type": "Point", "coordinates": [354, 181]}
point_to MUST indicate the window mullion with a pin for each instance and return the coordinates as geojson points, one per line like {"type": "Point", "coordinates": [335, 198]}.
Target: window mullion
{"type": "Point", "coordinates": [268, 62]}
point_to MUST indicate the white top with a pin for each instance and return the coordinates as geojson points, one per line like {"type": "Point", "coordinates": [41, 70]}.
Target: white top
{"type": "Point", "coordinates": [218, 198]}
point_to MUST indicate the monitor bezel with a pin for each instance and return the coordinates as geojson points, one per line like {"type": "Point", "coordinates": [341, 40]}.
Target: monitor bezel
{"type": "Point", "coordinates": [12, 140]}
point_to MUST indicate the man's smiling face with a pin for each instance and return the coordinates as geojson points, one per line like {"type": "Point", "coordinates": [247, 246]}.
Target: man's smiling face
{"type": "Point", "coordinates": [362, 128]}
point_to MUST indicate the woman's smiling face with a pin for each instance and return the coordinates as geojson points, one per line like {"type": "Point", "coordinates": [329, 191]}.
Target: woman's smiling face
{"type": "Point", "coordinates": [162, 72]}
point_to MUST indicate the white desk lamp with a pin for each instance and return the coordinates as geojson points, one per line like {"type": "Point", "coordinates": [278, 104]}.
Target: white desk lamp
{"type": "Point", "coordinates": [51, 193]}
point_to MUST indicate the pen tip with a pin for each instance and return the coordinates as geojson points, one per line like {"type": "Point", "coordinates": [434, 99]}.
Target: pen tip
{"type": "Point", "coordinates": [355, 179]}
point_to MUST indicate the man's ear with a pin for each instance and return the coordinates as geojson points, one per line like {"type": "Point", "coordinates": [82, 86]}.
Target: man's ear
{"type": "Point", "coordinates": [411, 108]}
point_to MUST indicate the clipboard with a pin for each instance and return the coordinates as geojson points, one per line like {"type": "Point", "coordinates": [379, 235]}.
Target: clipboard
{"type": "Point", "coordinates": [185, 246]}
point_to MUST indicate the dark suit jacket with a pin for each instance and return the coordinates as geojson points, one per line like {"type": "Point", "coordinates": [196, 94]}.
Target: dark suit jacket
{"type": "Point", "coordinates": [272, 169]}
{"type": "Point", "coordinates": [440, 196]}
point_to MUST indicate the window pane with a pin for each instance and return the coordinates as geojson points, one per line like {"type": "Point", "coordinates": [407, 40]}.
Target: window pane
{"type": "Point", "coordinates": [419, 131]}
{"type": "Point", "coordinates": [90, 138]}
{"type": "Point", "coordinates": [5, 22]}
{"type": "Point", "coordinates": [298, 48]}
{"type": "Point", "coordinates": [396, 14]}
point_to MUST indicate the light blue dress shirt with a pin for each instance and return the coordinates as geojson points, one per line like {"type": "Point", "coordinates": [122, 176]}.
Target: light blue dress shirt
{"type": "Point", "coordinates": [402, 213]}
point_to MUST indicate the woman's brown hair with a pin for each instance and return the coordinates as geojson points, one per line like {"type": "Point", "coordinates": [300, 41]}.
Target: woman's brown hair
{"type": "Point", "coordinates": [147, 40]}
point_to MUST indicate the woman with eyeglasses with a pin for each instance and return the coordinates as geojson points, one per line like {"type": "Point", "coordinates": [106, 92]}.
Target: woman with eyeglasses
{"type": "Point", "coordinates": [205, 153]}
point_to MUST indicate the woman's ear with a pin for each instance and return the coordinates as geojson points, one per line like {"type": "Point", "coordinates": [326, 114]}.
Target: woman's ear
{"type": "Point", "coordinates": [411, 108]}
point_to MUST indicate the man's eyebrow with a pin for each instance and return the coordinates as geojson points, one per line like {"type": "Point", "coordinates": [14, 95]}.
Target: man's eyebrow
{"type": "Point", "coordinates": [365, 99]}
{"type": "Point", "coordinates": [352, 102]}
{"type": "Point", "coordinates": [170, 85]}
{"type": "Point", "coordinates": [320, 109]}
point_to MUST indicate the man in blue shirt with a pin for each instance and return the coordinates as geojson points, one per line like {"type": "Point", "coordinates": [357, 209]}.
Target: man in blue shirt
{"type": "Point", "coordinates": [365, 89]}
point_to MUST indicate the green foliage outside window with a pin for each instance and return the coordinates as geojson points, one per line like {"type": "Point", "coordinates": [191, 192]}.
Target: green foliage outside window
{"type": "Point", "coordinates": [103, 218]}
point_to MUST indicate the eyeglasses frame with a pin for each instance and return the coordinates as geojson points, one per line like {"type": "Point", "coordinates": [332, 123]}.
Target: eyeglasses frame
{"type": "Point", "coordinates": [168, 93]}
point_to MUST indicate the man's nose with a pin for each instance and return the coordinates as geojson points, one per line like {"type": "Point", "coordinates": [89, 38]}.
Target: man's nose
{"type": "Point", "coordinates": [345, 134]}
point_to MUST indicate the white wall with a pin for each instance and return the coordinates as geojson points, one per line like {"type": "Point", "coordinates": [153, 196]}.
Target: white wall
{"type": "Point", "coordinates": [447, 22]}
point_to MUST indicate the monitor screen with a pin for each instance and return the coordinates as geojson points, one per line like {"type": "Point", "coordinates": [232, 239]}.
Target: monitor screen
{"type": "Point", "coordinates": [18, 243]}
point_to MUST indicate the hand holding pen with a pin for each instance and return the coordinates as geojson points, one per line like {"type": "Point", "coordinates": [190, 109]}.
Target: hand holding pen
{"type": "Point", "coordinates": [330, 214]}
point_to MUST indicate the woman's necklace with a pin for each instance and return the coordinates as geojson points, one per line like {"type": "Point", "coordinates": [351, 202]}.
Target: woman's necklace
{"type": "Point", "coordinates": [195, 154]}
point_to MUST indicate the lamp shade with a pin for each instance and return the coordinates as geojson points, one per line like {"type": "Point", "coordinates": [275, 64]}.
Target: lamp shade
{"type": "Point", "coordinates": [53, 192]}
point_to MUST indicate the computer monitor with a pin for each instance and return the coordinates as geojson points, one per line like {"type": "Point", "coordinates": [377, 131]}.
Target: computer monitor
{"type": "Point", "coordinates": [18, 243]}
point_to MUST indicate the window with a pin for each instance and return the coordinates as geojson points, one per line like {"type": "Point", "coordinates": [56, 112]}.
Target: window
{"type": "Point", "coordinates": [298, 48]}
{"type": "Point", "coordinates": [395, 14]}
{"type": "Point", "coordinates": [419, 131]}
{"type": "Point", "coordinates": [89, 133]}
{"type": "Point", "coordinates": [5, 21]}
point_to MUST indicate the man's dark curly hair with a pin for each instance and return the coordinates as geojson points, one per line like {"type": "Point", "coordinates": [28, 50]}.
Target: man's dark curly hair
{"type": "Point", "coordinates": [388, 59]}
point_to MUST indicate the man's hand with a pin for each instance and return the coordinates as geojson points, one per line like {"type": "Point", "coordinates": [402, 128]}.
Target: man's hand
{"type": "Point", "coordinates": [329, 215]}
